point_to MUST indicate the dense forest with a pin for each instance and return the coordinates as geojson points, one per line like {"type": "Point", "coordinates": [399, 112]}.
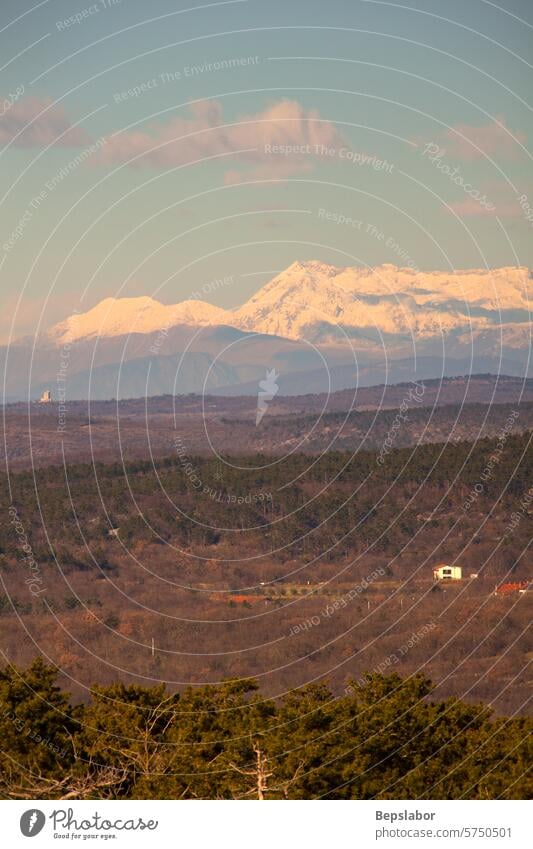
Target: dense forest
{"type": "Point", "coordinates": [324, 506]}
{"type": "Point", "coordinates": [384, 738]}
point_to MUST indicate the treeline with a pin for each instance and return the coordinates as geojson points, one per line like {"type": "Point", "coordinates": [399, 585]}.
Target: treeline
{"type": "Point", "coordinates": [335, 504]}
{"type": "Point", "coordinates": [370, 429]}
{"type": "Point", "coordinates": [385, 738]}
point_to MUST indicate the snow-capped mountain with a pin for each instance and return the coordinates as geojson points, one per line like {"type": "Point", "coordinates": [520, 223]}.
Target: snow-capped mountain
{"type": "Point", "coordinates": [121, 316]}
{"type": "Point", "coordinates": [365, 326]}
{"type": "Point", "coordinates": [320, 303]}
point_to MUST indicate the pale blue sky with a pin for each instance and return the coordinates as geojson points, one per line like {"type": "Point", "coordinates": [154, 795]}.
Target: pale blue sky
{"type": "Point", "coordinates": [369, 79]}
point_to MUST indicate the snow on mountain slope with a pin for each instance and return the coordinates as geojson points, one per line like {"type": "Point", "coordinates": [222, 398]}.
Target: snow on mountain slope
{"type": "Point", "coordinates": [122, 316]}
{"type": "Point", "coordinates": [303, 308]}
{"type": "Point", "coordinates": [390, 299]}
{"type": "Point", "coordinates": [319, 302]}
{"type": "Point", "coordinates": [498, 288]}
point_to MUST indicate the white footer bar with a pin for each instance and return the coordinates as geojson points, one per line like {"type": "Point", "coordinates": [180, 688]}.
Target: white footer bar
{"type": "Point", "coordinates": [267, 825]}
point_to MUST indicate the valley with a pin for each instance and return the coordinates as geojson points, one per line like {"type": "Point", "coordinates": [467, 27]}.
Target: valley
{"type": "Point", "coordinates": [329, 577]}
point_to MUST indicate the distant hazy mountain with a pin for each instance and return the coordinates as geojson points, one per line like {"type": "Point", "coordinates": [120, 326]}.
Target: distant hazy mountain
{"type": "Point", "coordinates": [319, 326]}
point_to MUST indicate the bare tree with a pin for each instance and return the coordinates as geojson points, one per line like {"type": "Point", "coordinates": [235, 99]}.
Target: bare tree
{"type": "Point", "coordinates": [95, 780]}
{"type": "Point", "coordinates": [258, 772]}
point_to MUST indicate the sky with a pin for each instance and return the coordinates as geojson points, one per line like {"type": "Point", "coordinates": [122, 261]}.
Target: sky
{"type": "Point", "coordinates": [159, 148]}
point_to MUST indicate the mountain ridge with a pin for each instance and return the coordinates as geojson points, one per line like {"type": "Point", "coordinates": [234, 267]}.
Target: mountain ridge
{"type": "Point", "coordinates": [322, 303]}
{"type": "Point", "coordinates": [318, 325]}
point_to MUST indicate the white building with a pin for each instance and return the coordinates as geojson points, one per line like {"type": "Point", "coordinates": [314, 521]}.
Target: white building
{"type": "Point", "coordinates": [443, 572]}
{"type": "Point", "coordinates": [46, 397]}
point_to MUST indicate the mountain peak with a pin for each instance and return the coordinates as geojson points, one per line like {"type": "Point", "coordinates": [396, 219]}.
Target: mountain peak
{"type": "Point", "coordinates": [123, 316]}
{"type": "Point", "coordinates": [313, 266]}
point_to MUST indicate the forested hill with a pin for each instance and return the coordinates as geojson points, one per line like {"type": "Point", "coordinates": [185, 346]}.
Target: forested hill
{"type": "Point", "coordinates": [463, 409]}
{"type": "Point", "coordinates": [335, 501]}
